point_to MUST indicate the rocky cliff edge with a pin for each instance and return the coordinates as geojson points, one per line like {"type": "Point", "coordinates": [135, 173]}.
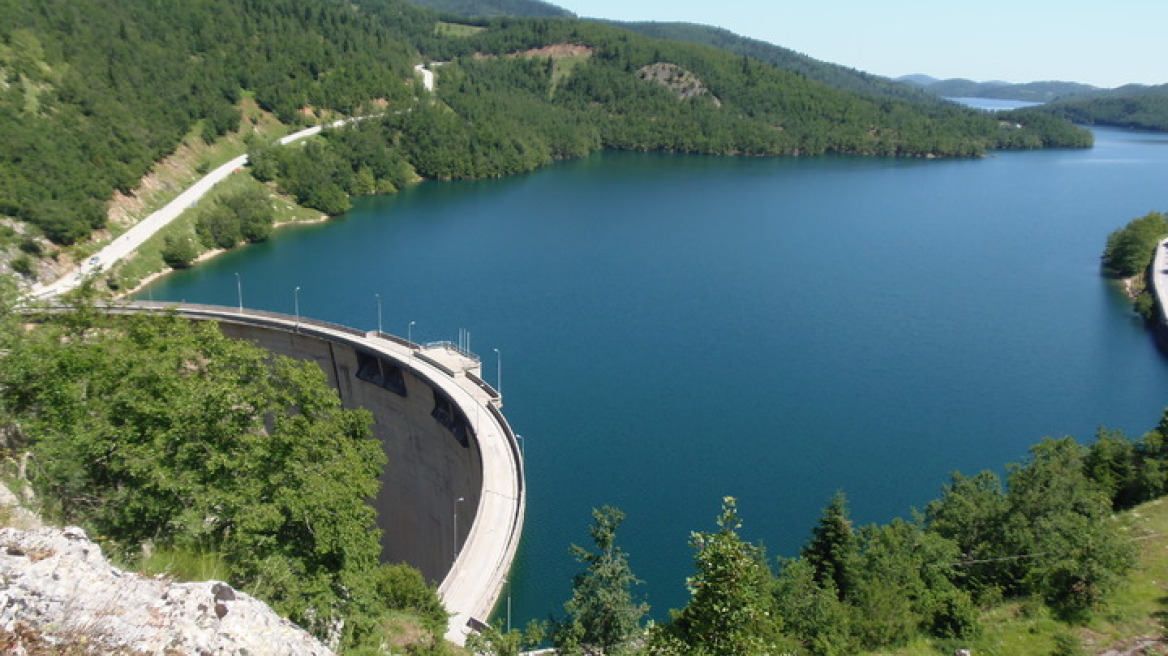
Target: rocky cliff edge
{"type": "Point", "coordinates": [59, 595]}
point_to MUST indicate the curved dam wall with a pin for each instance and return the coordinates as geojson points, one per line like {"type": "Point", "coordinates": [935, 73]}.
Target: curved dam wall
{"type": "Point", "coordinates": [452, 495]}
{"type": "Point", "coordinates": [1158, 279]}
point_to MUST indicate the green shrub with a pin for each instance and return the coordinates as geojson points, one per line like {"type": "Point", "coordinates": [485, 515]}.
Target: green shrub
{"type": "Point", "coordinates": [31, 246]}
{"type": "Point", "coordinates": [179, 252]}
{"type": "Point", "coordinates": [22, 264]}
{"type": "Point", "coordinates": [1130, 249]}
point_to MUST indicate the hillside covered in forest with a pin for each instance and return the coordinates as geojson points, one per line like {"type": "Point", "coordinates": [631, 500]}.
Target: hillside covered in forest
{"type": "Point", "coordinates": [1132, 106]}
{"type": "Point", "coordinates": [95, 93]}
{"type": "Point", "coordinates": [494, 8]}
{"type": "Point", "coordinates": [1038, 92]}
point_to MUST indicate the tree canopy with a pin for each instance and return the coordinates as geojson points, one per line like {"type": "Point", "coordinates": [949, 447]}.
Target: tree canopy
{"type": "Point", "coordinates": [1129, 250]}
{"type": "Point", "coordinates": [602, 615]}
{"type": "Point", "coordinates": [158, 432]}
{"type": "Point", "coordinates": [1046, 534]}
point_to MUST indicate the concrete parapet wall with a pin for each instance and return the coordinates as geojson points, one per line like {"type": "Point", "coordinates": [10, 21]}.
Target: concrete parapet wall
{"type": "Point", "coordinates": [1158, 280]}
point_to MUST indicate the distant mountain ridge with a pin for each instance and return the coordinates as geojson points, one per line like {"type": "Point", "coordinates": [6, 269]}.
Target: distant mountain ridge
{"type": "Point", "coordinates": [1133, 106]}
{"type": "Point", "coordinates": [1039, 92]}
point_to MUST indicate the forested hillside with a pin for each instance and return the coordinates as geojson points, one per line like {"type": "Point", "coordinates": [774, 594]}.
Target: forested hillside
{"type": "Point", "coordinates": [493, 8]}
{"type": "Point", "coordinates": [833, 75]}
{"type": "Point", "coordinates": [1038, 92]}
{"type": "Point", "coordinates": [1132, 106]}
{"type": "Point", "coordinates": [95, 92]}
{"type": "Point", "coordinates": [752, 106]}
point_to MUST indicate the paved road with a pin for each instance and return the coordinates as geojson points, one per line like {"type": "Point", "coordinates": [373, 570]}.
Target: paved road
{"type": "Point", "coordinates": [130, 240]}
{"type": "Point", "coordinates": [427, 76]}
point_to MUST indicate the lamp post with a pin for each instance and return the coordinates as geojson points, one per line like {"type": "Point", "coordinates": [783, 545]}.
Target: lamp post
{"type": "Point", "coordinates": [456, 502]}
{"type": "Point", "coordinates": [410, 334]}
{"type": "Point", "coordinates": [378, 297]}
{"type": "Point", "coordinates": [296, 304]}
{"type": "Point", "coordinates": [499, 372]}
{"type": "Point", "coordinates": [239, 291]}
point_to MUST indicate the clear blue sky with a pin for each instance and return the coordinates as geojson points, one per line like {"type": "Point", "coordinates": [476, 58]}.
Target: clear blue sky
{"type": "Point", "coordinates": [1102, 43]}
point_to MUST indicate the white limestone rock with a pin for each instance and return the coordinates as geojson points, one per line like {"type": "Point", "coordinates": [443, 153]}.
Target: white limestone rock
{"type": "Point", "coordinates": [58, 583]}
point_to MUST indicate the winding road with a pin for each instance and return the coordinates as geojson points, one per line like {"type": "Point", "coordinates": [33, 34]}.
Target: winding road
{"type": "Point", "coordinates": [129, 241]}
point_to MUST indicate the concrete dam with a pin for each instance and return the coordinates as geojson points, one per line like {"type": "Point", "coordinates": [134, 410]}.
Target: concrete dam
{"type": "Point", "coordinates": [452, 495]}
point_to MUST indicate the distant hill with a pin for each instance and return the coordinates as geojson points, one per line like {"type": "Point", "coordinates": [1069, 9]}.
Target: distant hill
{"type": "Point", "coordinates": [497, 8]}
{"type": "Point", "coordinates": [833, 75]}
{"type": "Point", "coordinates": [919, 79]}
{"type": "Point", "coordinates": [1132, 106]}
{"type": "Point", "coordinates": [98, 91]}
{"type": "Point", "coordinates": [1039, 92]}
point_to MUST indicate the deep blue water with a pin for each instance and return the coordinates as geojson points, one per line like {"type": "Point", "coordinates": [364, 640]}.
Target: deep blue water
{"type": "Point", "coordinates": [678, 328]}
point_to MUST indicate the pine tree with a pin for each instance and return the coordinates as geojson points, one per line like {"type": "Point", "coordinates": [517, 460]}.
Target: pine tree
{"type": "Point", "coordinates": [833, 546]}
{"type": "Point", "coordinates": [602, 615]}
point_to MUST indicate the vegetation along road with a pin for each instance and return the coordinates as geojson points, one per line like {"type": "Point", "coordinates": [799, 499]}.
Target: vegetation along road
{"type": "Point", "coordinates": [130, 240]}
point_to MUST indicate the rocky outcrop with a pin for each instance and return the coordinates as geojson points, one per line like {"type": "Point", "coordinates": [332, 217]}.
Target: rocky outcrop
{"type": "Point", "coordinates": [678, 80]}
{"type": "Point", "coordinates": [58, 594]}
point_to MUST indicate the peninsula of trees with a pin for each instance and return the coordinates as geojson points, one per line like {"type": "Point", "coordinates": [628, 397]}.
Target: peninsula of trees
{"type": "Point", "coordinates": [94, 93]}
{"type": "Point", "coordinates": [1128, 256]}
{"type": "Point", "coordinates": [1133, 106]}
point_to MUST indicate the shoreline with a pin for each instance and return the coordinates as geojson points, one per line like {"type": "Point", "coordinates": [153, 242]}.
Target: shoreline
{"type": "Point", "coordinates": [210, 254]}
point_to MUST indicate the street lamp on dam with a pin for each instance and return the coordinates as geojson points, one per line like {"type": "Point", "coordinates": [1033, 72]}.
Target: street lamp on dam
{"type": "Point", "coordinates": [456, 502]}
{"type": "Point", "coordinates": [296, 305]}
{"type": "Point", "coordinates": [378, 297]}
{"type": "Point", "coordinates": [499, 372]}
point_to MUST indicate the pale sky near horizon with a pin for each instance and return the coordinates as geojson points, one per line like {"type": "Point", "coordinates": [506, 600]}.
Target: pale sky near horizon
{"type": "Point", "coordinates": [1104, 44]}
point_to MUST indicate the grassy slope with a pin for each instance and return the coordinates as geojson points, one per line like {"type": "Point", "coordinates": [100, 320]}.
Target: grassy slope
{"type": "Point", "coordinates": [177, 172]}
{"type": "Point", "coordinates": [1135, 617]}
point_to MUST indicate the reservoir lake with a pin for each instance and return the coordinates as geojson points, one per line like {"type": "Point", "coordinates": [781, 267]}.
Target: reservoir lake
{"type": "Point", "coordinates": [674, 329]}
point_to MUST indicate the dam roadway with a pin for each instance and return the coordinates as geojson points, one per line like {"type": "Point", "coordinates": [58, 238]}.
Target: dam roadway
{"type": "Point", "coordinates": [438, 484]}
{"type": "Point", "coordinates": [1160, 281]}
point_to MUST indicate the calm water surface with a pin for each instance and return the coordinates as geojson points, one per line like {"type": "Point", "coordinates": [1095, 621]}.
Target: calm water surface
{"type": "Point", "coordinates": [674, 329]}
